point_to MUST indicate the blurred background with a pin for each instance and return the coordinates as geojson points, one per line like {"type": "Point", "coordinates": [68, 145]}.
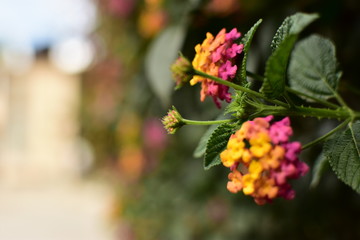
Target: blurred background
{"type": "Point", "coordinates": [83, 155]}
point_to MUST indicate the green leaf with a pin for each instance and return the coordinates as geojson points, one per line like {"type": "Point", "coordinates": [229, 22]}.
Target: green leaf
{"type": "Point", "coordinates": [282, 44]}
{"type": "Point", "coordinates": [201, 147]}
{"type": "Point", "coordinates": [216, 144]}
{"type": "Point", "coordinates": [342, 151]}
{"type": "Point", "coordinates": [162, 52]}
{"type": "Point", "coordinates": [275, 70]}
{"type": "Point", "coordinates": [292, 25]}
{"type": "Point", "coordinates": [320, 165]}
{"type": "Point", "coordinates": [246, 40]}
{"type": "Point", "coordinates": [313, 67]}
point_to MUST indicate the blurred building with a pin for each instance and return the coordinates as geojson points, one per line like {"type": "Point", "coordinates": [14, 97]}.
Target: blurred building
{"type": "Point", "coordinates": [38, 124]}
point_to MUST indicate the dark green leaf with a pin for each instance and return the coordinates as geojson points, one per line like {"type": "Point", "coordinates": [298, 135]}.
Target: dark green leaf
{"type": "Point", "coordinates": [246, 40]}
{"type": "Point", "coordinates": [276, 66]}
{"type": "Point", "coordinates": [320, 165]}
{"type": "Point", "coordinates": [282, 44]}
{"type": "Point", "coordinates": [201, 147]}
{"type": "Point", "coordinates": [292, 25]}
{"type": "Point", "coordinates": [217, 144]}
{"type": "Point", "coordinates": [342, 151]}
{"type": "Point", "coordinates": [313, 67]}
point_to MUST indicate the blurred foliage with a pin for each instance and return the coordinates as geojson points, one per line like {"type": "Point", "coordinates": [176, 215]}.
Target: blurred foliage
{"type": "Point", "coordinates": [162, 192]}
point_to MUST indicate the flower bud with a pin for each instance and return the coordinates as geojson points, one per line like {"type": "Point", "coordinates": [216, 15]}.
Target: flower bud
{"type": "Point", "coordinates": [172, 121]}
{"type": "Point", "coordinates": [181, 71]}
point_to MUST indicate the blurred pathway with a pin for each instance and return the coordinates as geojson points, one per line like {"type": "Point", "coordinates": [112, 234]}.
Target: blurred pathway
{"type": "Point", "coordinates": [55, 212]}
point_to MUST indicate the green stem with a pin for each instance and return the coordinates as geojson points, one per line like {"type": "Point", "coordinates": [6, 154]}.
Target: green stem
{"type": "Point", "coordinates": [194, 122]}
{"type": "Point", "coordinates": [322, 138]}
{"type": "Point", "coordinates": [288, 99]}
{"type": "Point", "coordinates": [293, 91]}
{"type": "Point", "coordinates": [240, 88]}
{"type": "Point", "coordinates": [340, 99]}
{"type": "Point", "coordinates": [340, 113]}
{"type": "Point", "coordinates": [325, 103]}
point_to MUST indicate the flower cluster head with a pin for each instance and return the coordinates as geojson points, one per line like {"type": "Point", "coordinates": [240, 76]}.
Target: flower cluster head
{"type": "Point", "coordinates": [262, 160]}
{"type": "Point", "coordinates": [172, 121]}
{"type": "Point", "coordinates": [216, 56]}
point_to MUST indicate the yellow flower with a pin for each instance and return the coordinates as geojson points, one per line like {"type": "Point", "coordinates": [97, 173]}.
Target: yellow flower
{"type": "Point", "coordinates": [226, 158]}
{"type": "Point", "coordinates": [273, 159]}
{"type": "Point", "coordinates": [268, 189]}
{"type": "Point", "coordinates": [255, 169]}
{"type": "Point", "coordinates": [248, 184]}
{"type": "Point", "coordinates": [260, 145]}
{"type": "Point", "coordinates": [233, 153]}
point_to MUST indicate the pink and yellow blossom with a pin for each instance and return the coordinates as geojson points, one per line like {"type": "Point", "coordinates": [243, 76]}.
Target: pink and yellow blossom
{"type": "Point", "coordinates": [267, 159]}
{"type": "Point", "coordinates": [216, 56]}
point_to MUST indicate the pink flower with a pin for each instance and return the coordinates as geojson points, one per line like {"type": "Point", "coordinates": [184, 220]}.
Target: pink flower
{"type": "Point", "coordinates": [281, 131]}
{"type": "Point", "coordinates": [154, 135]}
{"type": "Point", "coordinates": [216, 56]}
{"type": "Point", "coordinates": [227, 71]}
{"type": "Point", "coordinates": [286, 192]}
{"type": "Point", "coordinates": [292, 150]}
{"type": "Point", "coordinates": [232, 35]}
{"type": "Point", "coordinates": [234, 50]}
{"type": "Point", "coordinates": [266, 159]}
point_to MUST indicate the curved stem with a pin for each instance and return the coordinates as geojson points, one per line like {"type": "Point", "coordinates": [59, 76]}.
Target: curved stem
{"type": "Point", "coordinates": [240, 88]}
{"type": "Point", "coordinates": [194, 122]}
{"type": "Point", "coordinates": [322, 138]}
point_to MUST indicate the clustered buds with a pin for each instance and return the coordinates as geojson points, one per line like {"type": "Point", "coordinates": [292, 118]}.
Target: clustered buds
{"type": "Point", "coordinates": [262, 160]}
{"type": "Point", "coordinates": [172, 121]}
{"type": "Point", "coordinates": [181, 71]}
{"type": "Point", "coordinates": [216, 56]}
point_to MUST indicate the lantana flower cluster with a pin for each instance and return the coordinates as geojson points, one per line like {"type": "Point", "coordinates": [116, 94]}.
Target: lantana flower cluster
{"type": "Point", "coordinates": [262, 160]}
{"type": "Point", "coordinates": [216, 56]}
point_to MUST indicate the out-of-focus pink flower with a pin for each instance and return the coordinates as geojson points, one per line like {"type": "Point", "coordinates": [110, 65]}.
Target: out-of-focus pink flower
{"type": "Point", "coordinates": [222, 7]}
{"type": "Point", "coordinates": [121, 8]}
{"type": "Point", "coordinates": [155, 136]}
